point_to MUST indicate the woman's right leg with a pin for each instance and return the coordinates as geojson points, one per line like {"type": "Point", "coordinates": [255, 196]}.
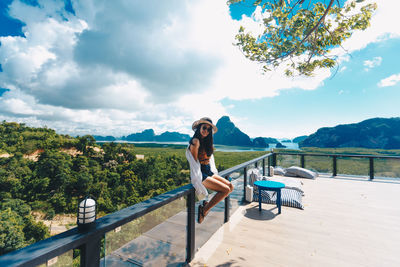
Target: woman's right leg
{"type": "Point", "coordinates": [221, 188]}
{"type": "Point", "coordinates": [225, 181]}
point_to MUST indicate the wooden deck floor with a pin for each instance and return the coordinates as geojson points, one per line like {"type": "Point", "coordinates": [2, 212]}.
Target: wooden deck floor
{"type": "Point", "coordinates": [345, 222]}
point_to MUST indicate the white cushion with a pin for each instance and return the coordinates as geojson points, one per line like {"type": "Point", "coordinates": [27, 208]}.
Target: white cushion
{"type": "Point", "coordinates": [249, 193]}
{"type": "Point", "coordinates": [271, 170]}
{"type": "Point", "coordinates": [279, 171]}
{"type": "Point", "coordinates": [300, 172]}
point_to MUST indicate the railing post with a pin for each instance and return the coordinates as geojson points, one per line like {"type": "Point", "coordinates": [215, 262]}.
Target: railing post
{"type": "Point", "coordinates": [334, 165]}
{"type": "Point", "coordinates": [90, 253]}
{"type": "Point", "coordinates": [274, 160]}
{"type": "Point", "coordinates": [263, 167]}
{"type": "Point", "coordinates": [190, 230]}
{"type": "Point", "coordinates": [269, 166]}
{"type": "Point", "coordinates": [256, 164]}
{"type": "Point", "coordinates": [244, 182]}
{"type": "Point", "coordinates": [227, 203]}
{"type": "Point", "coordinates": [302, 161]}
{"type": "Point", "coordinates": [371, 168]}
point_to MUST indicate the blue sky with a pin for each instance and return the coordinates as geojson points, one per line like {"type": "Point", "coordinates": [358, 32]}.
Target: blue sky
{"type": "Point", "coordinates": [96, 67]}
{"type": "Point", "coordinates": [350, 96]}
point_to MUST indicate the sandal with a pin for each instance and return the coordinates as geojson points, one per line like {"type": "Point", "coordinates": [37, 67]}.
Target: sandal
{"type": "Point", "coordinates": [200, 214]}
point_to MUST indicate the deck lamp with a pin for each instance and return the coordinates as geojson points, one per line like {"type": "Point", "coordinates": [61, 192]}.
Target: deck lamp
{"type": "Point", "coordinates": [86, 218]}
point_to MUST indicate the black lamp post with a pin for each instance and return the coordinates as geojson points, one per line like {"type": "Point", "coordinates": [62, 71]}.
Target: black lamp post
{"type": "Point", "coordinates": [86, 218]}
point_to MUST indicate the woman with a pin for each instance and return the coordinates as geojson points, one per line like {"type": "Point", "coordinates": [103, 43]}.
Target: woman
{"type": "Point", "coordinates": [201, 148]}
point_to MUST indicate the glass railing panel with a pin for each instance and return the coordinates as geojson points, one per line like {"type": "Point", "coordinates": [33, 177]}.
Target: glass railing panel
{"type": "Point", "coordinates": [387, 168]}
{"type": "Point", "coordinates": [250, 168]}
{"type": "Point", "coordinates": [237, 174]}
{"type": "Point", "coordinates": [348, 166]}
{"type": "Point", "coordinates": [260, 166]}
{"type": "Point", "coordinates": [64, 260]}
{"type": "Point", "coordinates": [320, 164]}
{"type": "Point", "coordinates": [236, 197]}
{"type": "Point", "coordinates": [286, 161]}
{"type": "Point", "coordinates": [155, 239]}
{"type": "Point", "coordinates": [214, 219]}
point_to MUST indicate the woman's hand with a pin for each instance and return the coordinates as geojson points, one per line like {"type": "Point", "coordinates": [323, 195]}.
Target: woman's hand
{"type": "Point", "coordinates": [194, 148]}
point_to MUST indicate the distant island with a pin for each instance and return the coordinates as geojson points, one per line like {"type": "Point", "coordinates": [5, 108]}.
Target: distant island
{"type": "Point", "coordinates": [299, 139]}
{"type": "Point", "coordinates": [104, 138]}
{"type": "Point", "coordinates": [279, 145]}
{"type": "Point", "coordinates": [228, 134]}
{"type": "Point", "coordinates": [382, 133]}
{"type": "Point", "coordinates": [149, 135]}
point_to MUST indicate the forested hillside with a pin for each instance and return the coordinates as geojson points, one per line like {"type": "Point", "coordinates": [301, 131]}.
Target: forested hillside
{"type": "Point", "coordinates": [16, 137]}
{"type": "Point", "coordinates": [65, 169]}
{"type": "Point", "coordinates": [380, 133]}
{"type": "Point", "coordinates": [56, 180]}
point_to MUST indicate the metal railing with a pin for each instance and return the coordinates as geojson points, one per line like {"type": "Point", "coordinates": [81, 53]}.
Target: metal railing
{"type": "Point", "coordinates": [89, 242]}
{"type": "Point", "coordinates": [335, 157]}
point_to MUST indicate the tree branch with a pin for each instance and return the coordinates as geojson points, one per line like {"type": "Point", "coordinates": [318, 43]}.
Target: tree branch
{"type": "Point", "coordinates": [298, 2]}
{"type": "Point", "coordinates": [306, 37]}
{"type": "Point", "coordinates": [319, 22]}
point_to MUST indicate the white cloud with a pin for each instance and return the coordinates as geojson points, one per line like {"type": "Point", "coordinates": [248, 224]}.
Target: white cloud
{"type": "Point", "coordinates": [390, 81]}
{"type": "Point", "coordinates": [122, 66]}
{"type": "Point", "coordinates": [370, 64]}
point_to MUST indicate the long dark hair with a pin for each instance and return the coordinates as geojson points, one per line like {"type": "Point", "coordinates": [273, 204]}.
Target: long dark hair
{"type": "Point", "coordinates": [205, 143]}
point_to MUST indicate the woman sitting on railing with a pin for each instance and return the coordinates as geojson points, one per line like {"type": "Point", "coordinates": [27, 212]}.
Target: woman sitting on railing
{"type": "Point", "coordinates": [202, 166]}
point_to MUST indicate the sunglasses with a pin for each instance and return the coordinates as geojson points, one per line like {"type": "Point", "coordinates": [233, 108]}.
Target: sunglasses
{"type": "Point", "coordinates": [205, 128]}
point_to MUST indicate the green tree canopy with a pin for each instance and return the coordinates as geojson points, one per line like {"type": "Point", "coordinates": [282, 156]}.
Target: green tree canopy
{"type": "Point", "coordinates": [11, 231]}
{"type": "Point", "coordinates": [300, 35]}
{"type": "Point", "coordinates": [17, 226]}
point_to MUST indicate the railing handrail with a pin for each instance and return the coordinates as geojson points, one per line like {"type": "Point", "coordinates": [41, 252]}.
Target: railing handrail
{"type": "Point", "coordinates": [46, 249]}
{"type": "Point", "coordinates": [338, 155]}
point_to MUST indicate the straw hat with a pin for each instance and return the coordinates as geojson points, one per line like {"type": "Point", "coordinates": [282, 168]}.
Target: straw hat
{"type": "Point", "coordinates": [206, 121]}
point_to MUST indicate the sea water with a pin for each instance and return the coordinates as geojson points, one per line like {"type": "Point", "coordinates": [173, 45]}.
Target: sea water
{"type": "Point", "coordinates": [223, 148]}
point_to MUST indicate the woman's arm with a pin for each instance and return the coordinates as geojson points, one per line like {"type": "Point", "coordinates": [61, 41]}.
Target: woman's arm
{"type": "Point", "coordinates": [194, 148]}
